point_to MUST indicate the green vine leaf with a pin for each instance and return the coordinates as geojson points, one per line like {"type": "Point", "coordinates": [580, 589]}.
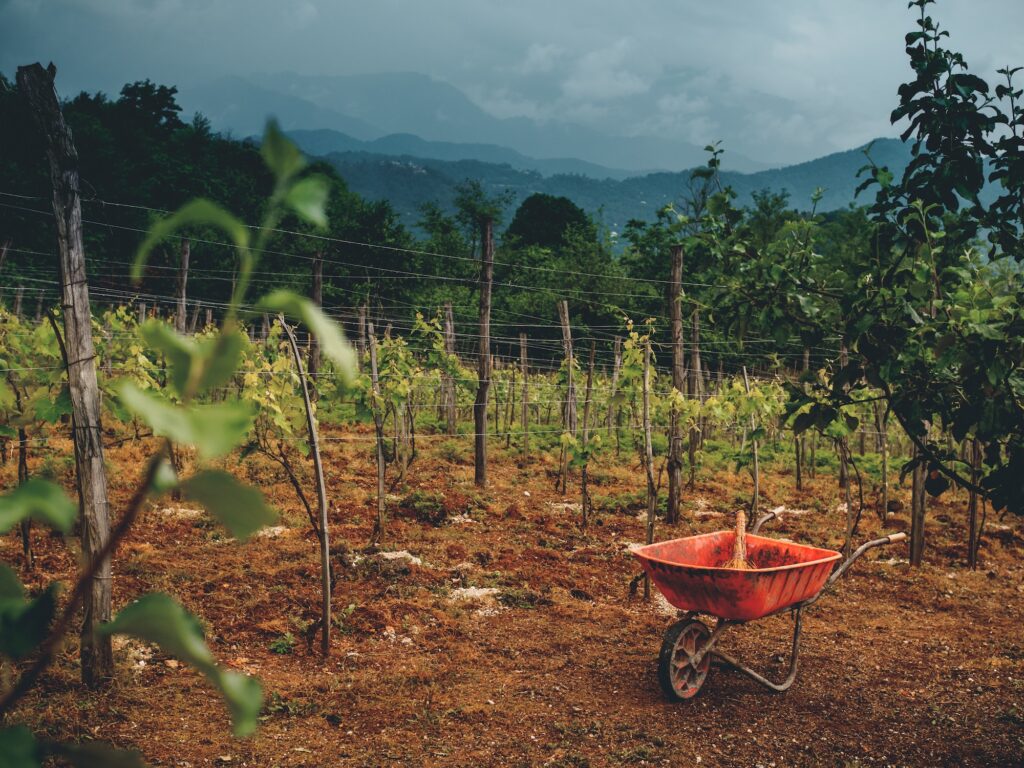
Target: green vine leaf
{"type": "Point", "coordinates": [158, 618]}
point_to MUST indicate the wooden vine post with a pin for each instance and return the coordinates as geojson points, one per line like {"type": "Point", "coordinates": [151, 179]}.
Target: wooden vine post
{"type": "Point", "coordinates": [484, 361]}
{"type": "Point", "coordinates": [613, 408]}
{"type": "Point", "coordinates": [524, 363]}
{"type": "Point", "coordinates": [753, 446]}
{"type": "Point", "coordinates": [675, 452]}
{"type": "Point", "coordinates": [569, 411]}
{"type": "Point", "coordinates": [652, 490]}
{"type": "Point", "coordinates": [37, 86]}
{"type": "Point", "coordinates": [321, 495]}
{"type": "Point", "coordinates": [181, 311]}
{"type": "Point", "coordinates": [316, 295]}
{"type": "Point", "coordinates": [378, 425]}
{"type": "Point", "coordinates": [695, 392]}
{"type": "Point", "coordinates": [448, 397]}
{"type": "Point", "coordinates": [587, 406]}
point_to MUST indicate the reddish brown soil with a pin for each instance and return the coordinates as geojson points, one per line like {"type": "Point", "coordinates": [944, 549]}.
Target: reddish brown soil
{"type": "Point", "coordinates": [899, 666]}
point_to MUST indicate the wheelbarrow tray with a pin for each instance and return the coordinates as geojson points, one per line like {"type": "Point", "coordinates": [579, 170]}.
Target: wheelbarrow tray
{"type": "Point", "coordinates": [691, 574]}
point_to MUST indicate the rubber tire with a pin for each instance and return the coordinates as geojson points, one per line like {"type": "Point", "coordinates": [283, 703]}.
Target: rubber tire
{"type": "Point", "coordinates": [681, 629]}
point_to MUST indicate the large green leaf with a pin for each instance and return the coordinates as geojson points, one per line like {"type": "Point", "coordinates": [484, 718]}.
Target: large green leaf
{"type": "Point", "coordinates": [23, 625]}
{"type": "Point", "coordinates": [213, 429]}
{"type": "Point", "coordinates": [178, 350]}
{"type": "Point", "coordinates": [280, 153]}
{"type": "Point", "coordinates": [40, 500]}
{"type": "Point", "coordinates": [328, 333]}
{"type": "Point", "coordinates": [211, 361]}
{"type": "Point", "coordinates": [308, 198]}
{"type": "Point", "coordinates": [240, 508]}
{"type": "Point", "coordinates": [51, 409]}
{"type": "Point", "coordinates": [158, 618]}
{"type": "Point", "coordinates": [18, 748]}
{"type": "Point", "coordinates": [197, 213]}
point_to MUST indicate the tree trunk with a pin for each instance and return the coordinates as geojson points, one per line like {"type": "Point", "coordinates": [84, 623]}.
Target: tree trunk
{"type": "Point", "coordinates": [19, 295]}
{"type": "Point", "coordinates": [321, 495]}
{"type": "Point", "coordinates": [881, 425]}
{"type": "Point", "coordinates": [675, 453]}
{"type": "Point", "coordinates": [917, 514]}
{"type": "Point", "coordinates": [181, 315]}
{"type": "Point", "coordinates": [38, 88]}
{"type": "Point", "coordinates": [973, 529]}
{"type": "Point", "coordinates": [484, 362]}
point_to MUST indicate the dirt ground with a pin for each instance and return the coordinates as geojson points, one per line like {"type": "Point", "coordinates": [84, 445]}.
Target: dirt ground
{"type": "Point", "coordinates": [512, 640]}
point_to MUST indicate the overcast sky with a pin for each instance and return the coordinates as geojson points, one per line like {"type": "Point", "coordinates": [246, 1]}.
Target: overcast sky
{"type": "Point", "coordinates": [778, 81]}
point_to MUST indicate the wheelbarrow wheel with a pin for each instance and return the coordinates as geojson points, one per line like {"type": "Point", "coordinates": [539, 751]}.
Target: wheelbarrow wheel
{"type": "Point", "coordinates": [678, 678]}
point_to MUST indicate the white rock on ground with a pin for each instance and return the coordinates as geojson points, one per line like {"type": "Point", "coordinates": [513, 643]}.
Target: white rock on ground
{"type": "Point", "coordinates": [400, 555]}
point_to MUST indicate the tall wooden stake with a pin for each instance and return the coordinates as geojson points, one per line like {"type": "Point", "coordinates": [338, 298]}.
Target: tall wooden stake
{"type": "Point", "coordinates": [37, 85]}
{"type": "Point", "coordinates": [696, 386]}
{"type": "Point", "coordinates": [181, 313]}
{"type": "Point", "coordinates": [448, 390]}
{"type": "Point", "coordinates": [321, 495]}
{"type": "Point", "coordinates": [378, 423]}
{"type": "Point", "coordinates": [613, 408]}
{"type": "Point", "coordinates": [675, 452]}
{"type": "Point", "coordinates": [524, 363]}
{"type": "Point", "coordinates": [652, 489]}
{"type": "Point", "coordinates": [316, 295]}
{"type": "Point", "coordinates": [569, 411]}
{"type": "Point", "coordinates": [484, 362]}
{"type": "Point", "coordinates": [753, 445]}
{"type": "Point", "coordinates": [587, 398]}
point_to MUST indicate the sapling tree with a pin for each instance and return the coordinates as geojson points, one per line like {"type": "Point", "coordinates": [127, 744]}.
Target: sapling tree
{"type": "Point", "coordinates": [33, 629]}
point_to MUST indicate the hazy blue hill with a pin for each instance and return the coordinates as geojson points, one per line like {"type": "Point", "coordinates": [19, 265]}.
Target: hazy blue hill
{"type": "Point", "coordinates": [409, 181]}
{"type": "Point", "coordinates": [241, 107]}
{"type": "Point", "coordinates": [369, 106]}
{"type": "Point", "coordinates": [323, 142]}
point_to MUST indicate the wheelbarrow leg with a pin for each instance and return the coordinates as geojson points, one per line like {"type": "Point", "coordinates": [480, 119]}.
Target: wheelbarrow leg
{"type": "Point", "coordinates": [793, 656]}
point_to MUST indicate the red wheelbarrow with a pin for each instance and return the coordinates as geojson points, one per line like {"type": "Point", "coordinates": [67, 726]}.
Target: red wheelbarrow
{"type": "Point", "coordinates": [693, 575]}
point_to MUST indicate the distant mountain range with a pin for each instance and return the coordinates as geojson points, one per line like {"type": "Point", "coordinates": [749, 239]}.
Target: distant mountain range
{"type": "Point", "coordinates": [368, 107]}
{"type": "Point", "coordinates": [408, 182]}
{"type": "Point", "coordinates": [410, 139]}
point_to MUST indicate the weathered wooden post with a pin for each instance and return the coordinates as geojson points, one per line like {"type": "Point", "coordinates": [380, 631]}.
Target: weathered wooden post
{"type": "Point", "coordinates": [316, 295]}
{"type": "Point", "coordinates": [448, 391]}
{"type": "Point", "coordinates": [675, 453]}
{"type": "Point", "coordinates": [181, 315]}
{"type": "Point", "coordinates": [378, 424]}
{"type": "Point", "coordinates": [569, 411]}
{"type": "Point", "coordinates": [484, 358]}
{"type": "Point", "coordinates": [37, 85]}
{"type": "Point", "coordinates": [652, 489]}
{"type": "Point", "coordinates": [524, 364]}
{"type": "Point", "coordinates": [587, 400]}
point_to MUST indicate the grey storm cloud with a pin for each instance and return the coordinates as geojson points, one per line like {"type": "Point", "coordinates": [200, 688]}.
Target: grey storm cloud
{"type": "Point", "coordinates": [779, 81]}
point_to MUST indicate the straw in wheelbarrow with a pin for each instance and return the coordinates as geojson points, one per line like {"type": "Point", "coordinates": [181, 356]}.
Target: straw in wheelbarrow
{"type": "Point", "coordinates": [739, 547]}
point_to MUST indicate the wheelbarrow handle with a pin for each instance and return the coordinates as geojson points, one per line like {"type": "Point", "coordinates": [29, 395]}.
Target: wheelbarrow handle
{"type": "Point", "coordinates": [892, 538]}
